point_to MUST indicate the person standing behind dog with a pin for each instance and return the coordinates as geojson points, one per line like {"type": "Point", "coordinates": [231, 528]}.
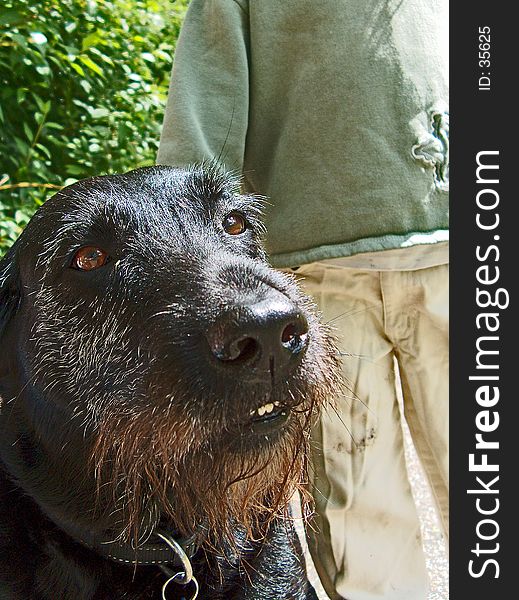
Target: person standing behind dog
{"type": "Point", "coordinates": [337, 112]}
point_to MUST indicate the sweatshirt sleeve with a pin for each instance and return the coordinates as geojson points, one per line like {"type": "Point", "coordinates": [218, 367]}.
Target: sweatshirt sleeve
{"type": "Point", "coordinates": [207, 109]}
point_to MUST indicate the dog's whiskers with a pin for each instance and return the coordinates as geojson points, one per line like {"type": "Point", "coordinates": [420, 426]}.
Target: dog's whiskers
{"type": "Point", "coordinates": [353, 312]}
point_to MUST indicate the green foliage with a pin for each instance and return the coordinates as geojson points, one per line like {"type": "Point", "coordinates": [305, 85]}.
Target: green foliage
{"type": "Point", "coordinates": [83, 85]}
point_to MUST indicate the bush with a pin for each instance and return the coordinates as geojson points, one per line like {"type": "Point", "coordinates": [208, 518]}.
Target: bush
{"type": "Point", "coordinates": [83, 88]}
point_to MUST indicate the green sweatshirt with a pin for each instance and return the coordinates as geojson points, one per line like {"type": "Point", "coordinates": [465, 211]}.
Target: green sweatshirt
{"type": "Point", "coordinates": [335, 110]}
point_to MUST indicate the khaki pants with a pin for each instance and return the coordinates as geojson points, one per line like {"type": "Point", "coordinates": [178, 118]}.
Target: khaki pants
{"type": "Point", "coordinates": [366, 541]}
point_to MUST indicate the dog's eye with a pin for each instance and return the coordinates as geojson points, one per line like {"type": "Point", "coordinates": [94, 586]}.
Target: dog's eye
{"type": "Point", "coordinates": [89, 258]}
{"type": "Point", "coordinates": [234, 223]}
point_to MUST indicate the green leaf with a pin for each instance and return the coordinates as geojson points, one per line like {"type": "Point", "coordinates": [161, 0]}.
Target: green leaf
{"type": "Point", "coordinates": [12, 17]}
{"type": "Point", "coordinates": [39, 38]}
{"type": "Point", "coordinates": [28, 132]}
{"type": "Point", "coordinates": [102, 56]}
{"type": "Point", "coordinates": [38, 101]}
{"type": "Point", "coordinates": [45, 150]}
{"type": "Point", "coordinates": [71, 51]}
{"type": "Point", "coordinates": [99, 113]}
{"type": "Point", "coordinates": [81, 104]}
{"type": "Point", "coordinates": [43, 70]}
{"type": "Point", "coordinates": [75, 170]}
{"type": "Point", "coordinates": [21, 217]}
{"type": "Point", "coordinates": [90, 40]}
{"type": "Point", "coordinates": [56, 141]}
{"type": "Point", "coordinates": [20, 95]}
{"type": "Point", "coordinates": [88, 62]}
{"type": "Point", "coordinates": [19, 39]}
{"type": "Point", "coordinates": [85, 85]}
{"type": "Point", "coordinates": [52, 125]}
{"type": "Point", "coordinates": [21, 145]}
{"type": "Point", "coordinates": [78, 69]}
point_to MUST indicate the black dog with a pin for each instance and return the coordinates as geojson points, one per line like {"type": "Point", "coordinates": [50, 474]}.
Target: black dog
{"type": "Point", "coordinates": [157, 383]}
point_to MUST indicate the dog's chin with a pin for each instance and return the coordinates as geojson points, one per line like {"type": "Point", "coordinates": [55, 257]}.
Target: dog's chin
{"type": "Point", "coordinates": [245, 477]}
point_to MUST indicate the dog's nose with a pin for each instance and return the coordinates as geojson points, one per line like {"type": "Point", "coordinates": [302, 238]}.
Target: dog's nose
{"type": "Point", "coordinates": [267, 336]}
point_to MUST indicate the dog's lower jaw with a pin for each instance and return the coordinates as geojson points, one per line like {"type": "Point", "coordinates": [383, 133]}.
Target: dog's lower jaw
{"type": "Point", "coordinates": [228, 478]}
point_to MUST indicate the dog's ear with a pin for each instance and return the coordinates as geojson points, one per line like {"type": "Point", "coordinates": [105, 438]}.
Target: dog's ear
{"type": "Point", "coordinates": [10, 293]}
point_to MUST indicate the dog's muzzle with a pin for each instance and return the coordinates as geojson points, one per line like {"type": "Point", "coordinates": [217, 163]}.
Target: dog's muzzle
{"type": "Point", "coordinates": [260, 343]}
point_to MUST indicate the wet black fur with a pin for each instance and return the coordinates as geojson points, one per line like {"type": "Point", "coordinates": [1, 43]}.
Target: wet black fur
{"type": "Point", "coordinates": [162, 228]}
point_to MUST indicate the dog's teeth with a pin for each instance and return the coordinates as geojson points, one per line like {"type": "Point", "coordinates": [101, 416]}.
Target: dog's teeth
{"type": "Point", "coordinates": [276, 403]}
{"type": "Point", "coordinates": [266, 409]}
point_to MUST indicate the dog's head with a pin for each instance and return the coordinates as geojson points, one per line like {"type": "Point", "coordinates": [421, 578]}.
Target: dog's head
{"type": "Point", "coordinates": [148, 346]}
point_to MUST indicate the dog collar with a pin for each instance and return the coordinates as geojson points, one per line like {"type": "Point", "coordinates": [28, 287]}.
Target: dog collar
{"type": "Point", "coordinates": [170, 555]}
{"type": "Point", "coordinates": [161, 549]}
